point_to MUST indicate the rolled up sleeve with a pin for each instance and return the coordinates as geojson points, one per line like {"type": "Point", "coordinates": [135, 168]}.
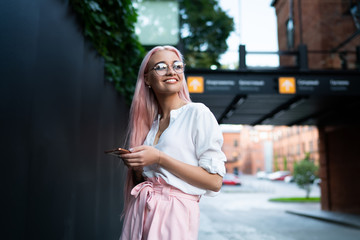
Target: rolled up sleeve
{"type": "Point", "coordinates": [208, 142]}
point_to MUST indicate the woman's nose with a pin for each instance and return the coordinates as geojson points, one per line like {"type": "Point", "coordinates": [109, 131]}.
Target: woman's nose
{"type": "Point", "coordinates": [170, 71]}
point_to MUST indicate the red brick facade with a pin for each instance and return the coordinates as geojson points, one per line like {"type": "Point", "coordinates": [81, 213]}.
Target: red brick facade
{"type": "Point", "coordinates": [231, 148]}
{"type": "Point", "coordinates": [291, 144]}
{"type": "Point", "coordinates": [324, 25]}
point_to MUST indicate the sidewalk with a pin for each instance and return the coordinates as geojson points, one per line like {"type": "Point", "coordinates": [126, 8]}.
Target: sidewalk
{"type": "Point", "coordinates": [345, 219]}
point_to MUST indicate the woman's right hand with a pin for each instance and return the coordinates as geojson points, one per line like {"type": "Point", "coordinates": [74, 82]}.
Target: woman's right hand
{"type": "Point", "coordinates": [141, 156]}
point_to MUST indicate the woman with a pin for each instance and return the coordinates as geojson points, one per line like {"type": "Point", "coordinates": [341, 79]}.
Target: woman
{"type": "Point", "coordinates": [175, 147]}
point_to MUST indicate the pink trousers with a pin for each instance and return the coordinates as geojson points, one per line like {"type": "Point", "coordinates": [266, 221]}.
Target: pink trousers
{"type": "Point", "coordinates": [159, 211]}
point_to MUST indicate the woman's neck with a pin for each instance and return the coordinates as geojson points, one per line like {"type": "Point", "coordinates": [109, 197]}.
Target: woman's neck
{"type": "Point", "coordinates": [168, 103]}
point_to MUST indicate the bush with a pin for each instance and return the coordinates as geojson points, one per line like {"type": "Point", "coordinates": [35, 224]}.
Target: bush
{"type": "Point", "coordinates": [304, 174]}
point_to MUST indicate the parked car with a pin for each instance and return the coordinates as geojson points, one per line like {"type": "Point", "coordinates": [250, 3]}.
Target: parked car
{"type": "Point", "coordinates": [261, 175]}
{"type": "Point", "coordinates": [278, 176]}
{"type": "Point", "coordinates": [289, 179]}
{"type": "Point", "coordinates": [231, 179]}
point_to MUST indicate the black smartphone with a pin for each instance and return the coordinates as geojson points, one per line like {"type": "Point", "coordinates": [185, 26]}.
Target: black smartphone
{"type": "Point", "coordinates": [117, 151]}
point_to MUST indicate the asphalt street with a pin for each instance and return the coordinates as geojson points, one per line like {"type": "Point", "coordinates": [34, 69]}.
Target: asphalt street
{"type": "Point", "coordinates": [244, 212]}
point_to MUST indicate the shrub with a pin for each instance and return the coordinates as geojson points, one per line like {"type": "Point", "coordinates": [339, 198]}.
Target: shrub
{"type": "Point", "coordinates": [305, 173]}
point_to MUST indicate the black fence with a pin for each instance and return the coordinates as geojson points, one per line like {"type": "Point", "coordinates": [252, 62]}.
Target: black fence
{"type": "Point", "coordinates": [58, 115]}
{"type": "Point", "coordinates": [298, 58]}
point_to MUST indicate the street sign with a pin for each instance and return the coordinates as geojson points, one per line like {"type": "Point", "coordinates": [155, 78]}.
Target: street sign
{"type": "Point", "coordinates": [220, 85]}
{"type": "Point", "coordinates": [273, 83]}
{"type": "Point", "coordinates": [195, 84]}
{"type": "Point", "coordinates": [287, 85]}
{"type": "Point", "coordinates": [261, 85]}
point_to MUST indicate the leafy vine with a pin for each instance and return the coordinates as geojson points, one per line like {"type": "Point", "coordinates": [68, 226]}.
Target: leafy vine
{"type": "Point", "coordinates": [109, 25]}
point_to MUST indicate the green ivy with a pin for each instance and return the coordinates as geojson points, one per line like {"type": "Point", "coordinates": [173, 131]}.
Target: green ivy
{"type": "Point", "coordinates": [109, 25]}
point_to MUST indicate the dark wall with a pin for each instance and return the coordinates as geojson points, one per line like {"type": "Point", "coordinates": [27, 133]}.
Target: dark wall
{"type": "Point", "coordinates": [340, 168]}
{"type": "Point", "coordinates": [58, 115]}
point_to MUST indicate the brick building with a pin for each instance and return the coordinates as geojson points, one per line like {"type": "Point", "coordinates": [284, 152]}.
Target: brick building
{"type": "Point", "coordinates": [231, 148]}
{"type": "Point", "coordinates": [263, 148]}
{"type": "Point", "coordinates": [331, 31]}
{"type": "Point", "coordinates": [244, 150]}
{"type": "Point", "coordinates": [292, 143]}
{"type": "Point", "coordinates": [256, 148]}
{"type": "Point", "coordinates": [326, 27]}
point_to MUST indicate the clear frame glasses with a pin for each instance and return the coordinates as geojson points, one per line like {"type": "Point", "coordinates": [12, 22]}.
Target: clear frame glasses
{"type": "Point", "coordinates": [162, 68]}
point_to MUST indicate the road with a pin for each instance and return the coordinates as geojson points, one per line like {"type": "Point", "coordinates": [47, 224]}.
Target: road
{"type": "Point", "coordinates": [244, 213]}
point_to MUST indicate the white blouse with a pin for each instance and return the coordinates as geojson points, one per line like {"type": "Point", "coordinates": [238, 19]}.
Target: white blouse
{"type": "Point", "coordinates": [193, 137]}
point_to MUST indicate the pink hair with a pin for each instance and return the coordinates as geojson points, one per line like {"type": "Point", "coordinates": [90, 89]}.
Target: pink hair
{"type": "Point", "coordinates": [144, 109]}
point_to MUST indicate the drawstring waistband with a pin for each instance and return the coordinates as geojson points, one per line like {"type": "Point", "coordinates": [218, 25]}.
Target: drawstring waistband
{"type": "Point", "coordinates": [158, 185]}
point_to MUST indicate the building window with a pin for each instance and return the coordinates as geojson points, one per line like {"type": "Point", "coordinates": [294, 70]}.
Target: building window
{"type": "Point", "coordinates": [311, 147]}
{"type": "Point", "coordinates": [235, 156]}
{"type": "Point", "coordinates": [298, 149]}
{"type": "Point", "coordinates": [236, 143]}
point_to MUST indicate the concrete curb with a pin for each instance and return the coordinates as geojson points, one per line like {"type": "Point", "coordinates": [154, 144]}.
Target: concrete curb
{"type": "Point", "coordinates": [345, 219]}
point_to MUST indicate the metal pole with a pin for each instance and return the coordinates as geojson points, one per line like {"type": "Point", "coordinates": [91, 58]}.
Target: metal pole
{"type": "Point", "coordinates": [302, 57]}
{"type": "Point", "coordinates": [242, 57]}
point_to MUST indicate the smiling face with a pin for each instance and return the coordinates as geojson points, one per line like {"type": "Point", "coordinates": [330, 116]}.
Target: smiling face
{"type": "Point", "coordinates": [169, 83]}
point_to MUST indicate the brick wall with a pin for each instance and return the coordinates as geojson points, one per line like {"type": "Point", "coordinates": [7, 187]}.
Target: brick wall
{"type": "Point", "coordinates": [247, 155]}
{"type": "Point", "coordinates": [324, 25]}
{"type": "Point", "coordinates": [231, 148]}
{"type": "Point", "coordinates": [293, 143]}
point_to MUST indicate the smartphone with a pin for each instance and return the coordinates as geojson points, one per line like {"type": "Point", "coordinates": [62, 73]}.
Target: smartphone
{"type": "Point", "coordinates": [117, 151]}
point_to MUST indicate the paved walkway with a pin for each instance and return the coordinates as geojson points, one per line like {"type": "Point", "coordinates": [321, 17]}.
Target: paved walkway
{"type": "Point", "coordinates": [244, 213]}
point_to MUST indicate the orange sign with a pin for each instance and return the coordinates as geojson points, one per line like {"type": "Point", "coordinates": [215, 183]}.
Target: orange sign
{"type": "Point", "coordinates": [287, 85]}
{"type": "Point", "coordinates": [195, 84]}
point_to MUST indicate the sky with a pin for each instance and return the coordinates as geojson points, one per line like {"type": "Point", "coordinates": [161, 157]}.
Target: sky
{"type": "Point", "coordinates": [255, 27]}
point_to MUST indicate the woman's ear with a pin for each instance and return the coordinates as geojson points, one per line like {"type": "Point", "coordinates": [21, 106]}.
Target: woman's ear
{"type": "Point", "coordinates": [147, 82]}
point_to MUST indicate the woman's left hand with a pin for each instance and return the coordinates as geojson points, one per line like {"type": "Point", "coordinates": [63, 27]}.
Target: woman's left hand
{"type": "Point", "coordinates": [141, 156]}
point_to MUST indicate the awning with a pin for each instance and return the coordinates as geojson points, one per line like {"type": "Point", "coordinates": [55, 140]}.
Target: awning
{"type": "Point", "coordinates": [278, 97]}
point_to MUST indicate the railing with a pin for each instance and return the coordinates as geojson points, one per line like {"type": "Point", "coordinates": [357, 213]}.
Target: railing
{"type": "Point", "coordinates": [301, 55]}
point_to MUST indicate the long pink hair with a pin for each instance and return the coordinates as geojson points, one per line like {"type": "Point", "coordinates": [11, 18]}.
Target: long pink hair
{"type": "Point", "coordinates": [144, 109]}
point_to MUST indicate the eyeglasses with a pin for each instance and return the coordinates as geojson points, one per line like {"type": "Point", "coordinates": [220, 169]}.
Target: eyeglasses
{"type": "Point", "coordinates": [162, 68]}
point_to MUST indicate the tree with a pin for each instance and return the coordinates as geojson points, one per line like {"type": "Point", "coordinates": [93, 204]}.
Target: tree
{"type": "Point", "coordinates": [285, 163]}
{"type": "Point", "coordinates": [204, 30]}
{"type": "Point", "coordinates": [305, 173]}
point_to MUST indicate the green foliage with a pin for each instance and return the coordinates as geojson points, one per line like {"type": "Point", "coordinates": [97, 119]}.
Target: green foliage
{"type": "Point", "coordinates": [295, 199]}
{"type": "Point", "coordinates": [205, 28]}
{"type": "Point", "coordinates": [276, 164]}
{"type": "Point", "coordinates": [285, 163]}
{"type": "Point", "coordinates": [109, 25]}
{"type": "Point", "coordinates": [305, 173]}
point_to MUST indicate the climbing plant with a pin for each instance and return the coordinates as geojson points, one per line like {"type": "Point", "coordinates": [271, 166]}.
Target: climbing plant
{"type": "Point", "coordinates": [109, 26]}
